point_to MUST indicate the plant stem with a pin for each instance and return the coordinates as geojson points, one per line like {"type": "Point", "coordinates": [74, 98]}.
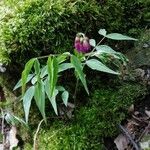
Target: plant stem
{"type": "Point", "coordinates": [75, 91]}
{"type": "Point", "coordinates": [88, 56]}
{"type": "Point", "coordinates": [127, 134]}
{"type": "Point", "coordinates": [77, 82]}
{"type": "Point", "coordinates": [35, 136]}
{"type": "Point", "coordinates": [41, 57]}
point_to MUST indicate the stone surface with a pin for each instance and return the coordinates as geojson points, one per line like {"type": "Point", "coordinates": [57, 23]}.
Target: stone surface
{"type": "Point", "coordinates": [140, 55]}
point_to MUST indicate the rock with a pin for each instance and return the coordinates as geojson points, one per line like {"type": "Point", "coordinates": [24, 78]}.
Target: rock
{"type": "Point", "coordinates": [140, 55]}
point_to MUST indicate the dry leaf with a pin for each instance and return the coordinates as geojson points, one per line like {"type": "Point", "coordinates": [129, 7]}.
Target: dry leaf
{"type": "Point", "coordinates": [147, 113]}
{"type": "Point", "coordinates": [131, 109]}
{"type": "Point", "coordinates": [63, 110]}
{"type": "Point", "coordinates": [121, 142]}
{"type": "Point", "coordinates": [11, 138]}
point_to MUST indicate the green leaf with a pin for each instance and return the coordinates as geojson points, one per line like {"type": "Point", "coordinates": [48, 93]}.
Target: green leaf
{"type": "Point", "coordinates": [118, 36]}
{"type": "Point", "coordinates": [14, 120]}
{"type": "Point", "coordinates": [78, 68]}
{"type": "Point", "coordinates": [27, 98]}
{"type": "Point", "coordinates": [104, 49]}
{"type": "Point", "coordinates": [25, 73]}
{"type": "Point", "coordinates": [60, 88]}
{"type": "Point", "coordinates": [65, 66]}
{"type": "Point", "coordinates": [65, 96]}
{"type": "Point", "coordinates": [92, 42]}
{"type": "Point", "coordinates": [37, 66]}
{"type": "Point", "coordinates": [62, 57]}
{"type": "Point", "coordinates": [44, 71]}
{"type": "Point", "coordinates": [19, 84]}
{"type": "Point", "coordinates": [39, 96]}
{"type": "Point", "coordinates": [53, 97]}
{"type": "Point", "coordinates": [97, 65]}
{"type": "Point", "coordinates": [53, 101]}
{"type": "Point", "coordinates": [55, 73]}
{"type": "Point", "coordinates": [52, 64]}
{"type": "Point", "coordinates": [34, 79]}
{"type": "Point", "coordinates": [121, 57]}
{"type": "Point", "coordinates": [102, 32]}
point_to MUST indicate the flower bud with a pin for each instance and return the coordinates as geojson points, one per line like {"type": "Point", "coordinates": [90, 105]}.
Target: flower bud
{"type": "Point", "coordinates": [81, 43]}
{"type": "Point", "coordinates": [86, 45]}
{"type": "Point", "coordinates": [77, 39]}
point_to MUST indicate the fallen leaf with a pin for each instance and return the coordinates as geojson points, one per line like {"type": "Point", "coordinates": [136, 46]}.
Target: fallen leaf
{"type": "Point", "coordinates": [121, 142]}
{"type": "Point", "coordinates": [131, 109]}
{"type": "Point", "coordinates": [68, 111]}
{"type": "Point", "coordinates": [147, 113]}
{"type": "Point", "coordinates": [11, 138]}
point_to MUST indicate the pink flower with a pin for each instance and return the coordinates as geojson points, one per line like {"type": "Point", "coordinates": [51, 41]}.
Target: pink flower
{"type": "Point", "coordinates": [81, 43]}
{"type": "Point", "coordinates": [86, 45]}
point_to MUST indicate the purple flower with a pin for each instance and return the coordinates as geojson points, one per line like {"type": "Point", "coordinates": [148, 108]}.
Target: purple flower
{"type": "Point", "coordinates": [81, 43]}
{"type": "Point", "coordinates": [86, 45]}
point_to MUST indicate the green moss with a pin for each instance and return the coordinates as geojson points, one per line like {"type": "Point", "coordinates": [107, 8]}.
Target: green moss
{"type": "Point", "coordinates": [94, 121]}
{"type": "Point", "coordinates": [38, 27]}
{"type": "Point", "coordinates": [41, 27]}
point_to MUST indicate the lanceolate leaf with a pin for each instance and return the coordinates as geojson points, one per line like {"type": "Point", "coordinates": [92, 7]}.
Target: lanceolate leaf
{"type": "Point", "coordinates": [78, 68]}
{"type": "Point", "coordinates": [97, 65]}
{"type": "Point", "coordinates": [53, 97]}
{"type": "Point", "coordinates": [14, 120]}
{"type": "Point", "coordinates": [55, 76]}
{"type": "Point", "coordinates": [60, 88]}
{"type": "Point", "coordinates": [61, 58]}
{"type": "Point", "coordinates": [27, 98]}
{"type": "Point", "coordinates": [53, 101]}
{"type": "Point", "coordinates": [37, 66]}
{"type": "Point", "coordinates": [39, 96]}
{"type": "Point", "coordinates": [65, 66]}
{"type": "Point", "coordinates": [25, 73]}
{"type": "Point", "coordinates": [118, 36]}
{"type": "Point", "coordinates": [44, 72]}
{"type": "Point", "coordinates": [52, 73]}
{"type": "Point", "coordinates": [34, 79]}
{"type": "Point", "coordinates": [65, 96]}
{"type": "Point", "coordinates": [19, 83]}
{"type": "Point", "coordinates": [104, 49]}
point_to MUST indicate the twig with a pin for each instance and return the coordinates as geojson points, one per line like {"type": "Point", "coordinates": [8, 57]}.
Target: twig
{"type": "Point", "coordinates": [35, 136]}
{"type": "Point", "coordinates": [2, 129]}
{"type": "Point", "coordinates": [41, 57]}
{"type": "Point", "coordinates": [127, 134]}
{"type": "Point", "coordinates": [89, 54]}
{"type": "Point", "coordinates": [75, 91]}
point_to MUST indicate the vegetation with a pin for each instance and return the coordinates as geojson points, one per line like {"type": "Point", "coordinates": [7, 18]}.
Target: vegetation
{"type": "Point", "coordinates": [59, 68]}
{"type": "Point", "coordinates": [44, 80]}
{"type": "Point", "coordinates": [92, 122]}
{"type": "Point", "coordinates": [38, 27]}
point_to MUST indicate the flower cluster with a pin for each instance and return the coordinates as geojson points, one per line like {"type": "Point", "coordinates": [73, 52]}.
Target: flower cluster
{"type": "Point", "coordinates": [81, 43]}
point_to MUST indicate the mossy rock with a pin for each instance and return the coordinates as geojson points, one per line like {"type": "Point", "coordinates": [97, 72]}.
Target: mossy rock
{"type": "Point", "coordinates": [140, 55]}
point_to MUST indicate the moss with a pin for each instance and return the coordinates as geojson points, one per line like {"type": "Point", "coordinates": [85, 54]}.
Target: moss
{"type": "Point", "coordinates": [38, 27]}
{"type": "Point", "coordinates": [41, 27]}
{"type": "Point", "coordinates": [139, 55]}
{"type": "Point", "coordinates": [94, 121]}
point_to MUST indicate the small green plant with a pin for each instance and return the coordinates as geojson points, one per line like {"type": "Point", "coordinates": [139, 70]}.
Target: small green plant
{"type": "Point", "coordinates": [44, 80]}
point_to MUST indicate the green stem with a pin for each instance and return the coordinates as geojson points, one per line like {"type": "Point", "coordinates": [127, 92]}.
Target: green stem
{"type": "Point", "coordinates": [88, 56]}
